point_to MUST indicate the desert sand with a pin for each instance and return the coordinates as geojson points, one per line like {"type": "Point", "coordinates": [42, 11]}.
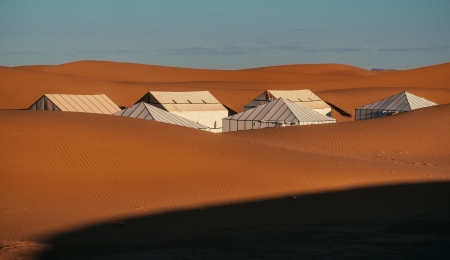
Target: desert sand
{"type": "Point", "coordinates": [88, 186]}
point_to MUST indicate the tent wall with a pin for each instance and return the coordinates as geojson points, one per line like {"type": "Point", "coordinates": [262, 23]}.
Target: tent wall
{"type": "Point", "coordinates": [206, 118]}
{"type": "Point", "coordinates": [148, 98]}
{"type": "Point", "coordinates": [364, 114]}
{"type": "Point", "coordinates": [323, 111]}
{"type": "Point", "coordinates": [262, 99]}
{"type": "Point", "coordinates": [44, 104]}
{"type": "Point", "coordinates": [239, 125]}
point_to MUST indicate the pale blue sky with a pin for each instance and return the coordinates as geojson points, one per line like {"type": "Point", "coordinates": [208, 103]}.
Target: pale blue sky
{"type": "Point", "coordinates": [228, 34]}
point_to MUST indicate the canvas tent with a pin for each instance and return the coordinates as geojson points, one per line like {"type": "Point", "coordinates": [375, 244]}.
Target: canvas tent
{"type": "Point", "coordinates": [395, 104]}
{"type": "Point", "coordinates": [149, 112]}
{"type": "Point", "coordinates": [277, 113]}
{"type": "Point", "coordinates": [305, 98]}
{"type": "Point", "coordinates": [198, 106]}
{"type": "Point", "coordinates": [99, 104]}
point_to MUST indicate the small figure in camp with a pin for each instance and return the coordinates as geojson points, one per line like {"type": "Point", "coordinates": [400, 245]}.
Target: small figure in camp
{"type": "Point", "coordinates": [215, 124]}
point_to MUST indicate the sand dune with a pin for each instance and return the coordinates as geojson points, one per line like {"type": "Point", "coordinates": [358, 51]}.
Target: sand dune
{"type": "Point", "coordinates": [130, 166]}
{"type": "Point", "coordinates": [124, 83]}
{"type": "Point", "coordinates": [129, 72]}
{"type": "Point", "coordinates": [86, 185]}
{"type": "Point", "coordinates": [350, 99]}
{"type": "Point", "coordinates": [61, 171]}
{"type": "Point", "coordinates": [415, 137]}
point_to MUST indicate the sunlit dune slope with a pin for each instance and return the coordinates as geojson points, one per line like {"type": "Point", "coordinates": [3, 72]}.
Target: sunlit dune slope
{"type": "Point", "coordinates": [19, 88]}
{"type": "Point", "coordinates": [61, 171]}
{"type": "Point", "coordinates": [435, 76]}
{"type": "Point", "coordinates": [415, 137]}
{"type": "Point", "coordinates": [314, 76]}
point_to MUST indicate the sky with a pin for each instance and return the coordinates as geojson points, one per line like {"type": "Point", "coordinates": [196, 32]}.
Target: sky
{"type": "Point", "coordinates": [227, 34]}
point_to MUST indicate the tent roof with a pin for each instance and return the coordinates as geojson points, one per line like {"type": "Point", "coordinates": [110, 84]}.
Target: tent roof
{"type": "Point", "coordinates": [186, 101]}
{"type": "Point", "coordinates": [402, 101]}
{"type": "Point", "coordinates": [149, 112]}
{"type": "Point", "coordinates": [304, 97]}
{"type": "Point", "coordinates": [192, 97]}
{"type": "Point", "coordinates": [99, 104]}
{"type": "Point", "coordinates": [280, 110]}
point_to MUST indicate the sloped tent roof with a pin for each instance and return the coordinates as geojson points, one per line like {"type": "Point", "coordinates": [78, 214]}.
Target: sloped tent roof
{"type": "Point", "coordinates": [149, 112]}
{"type": "Point", "coordinates": [305, 98]}
{"type": "Point", "coordinates": [401, 102]}
{"type": "Point", "coordinates": [99, 104]}
{"type": "Point", "coordinates": [183, 101]}
{"type": "Point", "coordinates": [281, 111]}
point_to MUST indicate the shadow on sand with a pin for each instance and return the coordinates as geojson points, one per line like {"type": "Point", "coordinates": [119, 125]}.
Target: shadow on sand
{"type": "Point", "coordinates": [340, 111]}
{"type": "Point", "coordinates": [389, 222]}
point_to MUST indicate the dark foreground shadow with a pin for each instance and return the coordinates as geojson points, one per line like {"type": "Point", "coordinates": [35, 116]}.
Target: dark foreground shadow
{"type": "Point", "coordinates": [389, 222]}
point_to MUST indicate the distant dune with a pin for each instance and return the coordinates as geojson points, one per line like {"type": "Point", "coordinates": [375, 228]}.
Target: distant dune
{"type": "Point", "coordinates": [124, 83]}
{"type": "Point", "coordinates": [91, 186]}
{"type": "Point", "coordinates": [130, 72]}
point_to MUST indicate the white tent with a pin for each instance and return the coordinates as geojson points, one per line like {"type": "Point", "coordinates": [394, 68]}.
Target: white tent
{"type": "Point", "coordinates": [277, 113]}
{"type": "Point", "coordinates": [305, 98]}
{"type": "Point", "coordinates": [198, 106]}
{"type": "Point", "coordinates": [99, 104]}
{"type": "Point", "coordinates": [392, 105]}
{"type": "Point", "coordinates": [149, 112]}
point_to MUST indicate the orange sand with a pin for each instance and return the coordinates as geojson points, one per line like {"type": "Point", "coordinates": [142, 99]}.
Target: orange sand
{"type": "Point", "coordinates": [68, 181]}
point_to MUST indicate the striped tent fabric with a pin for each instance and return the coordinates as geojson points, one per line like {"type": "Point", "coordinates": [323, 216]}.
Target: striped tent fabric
{"type": "Point", "coordinates": [304, 97]}
{"type": "Point", "coordinates": [277, 113]}
{"type": "Point", "coordinates": [401, 102]}
{"type": "Point", "coordinates": [146, 111]}
{"type": "Point", "coordinates": [99, 104]}
{"type": "Point", "coordinates": [197, 106]}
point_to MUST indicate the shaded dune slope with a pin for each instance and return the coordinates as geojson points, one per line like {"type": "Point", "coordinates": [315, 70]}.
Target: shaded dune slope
{"type": "Point", "coordinates": [61, 171]}
{"type": "Point", "coordinates": [344, 224]}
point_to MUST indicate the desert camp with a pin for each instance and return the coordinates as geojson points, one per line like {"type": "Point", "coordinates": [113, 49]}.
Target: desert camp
{"type": "Point", "coordinates": [224, 130]}
{"type": "Point", "coordinates": [112, 174]}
